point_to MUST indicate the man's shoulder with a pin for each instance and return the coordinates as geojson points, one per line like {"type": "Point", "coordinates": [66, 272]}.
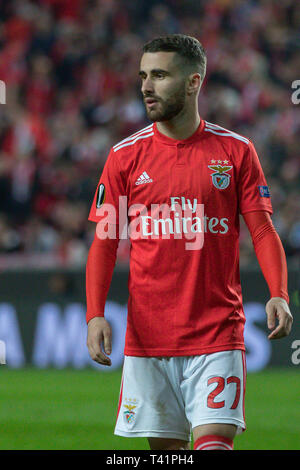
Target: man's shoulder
{"type": "Point", "coordinates": [132, 141]}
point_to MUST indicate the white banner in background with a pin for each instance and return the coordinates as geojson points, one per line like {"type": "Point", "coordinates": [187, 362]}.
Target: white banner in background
{"type": "Point", "coordinates": [2, 352]}
{"type": "Point", "coordinates": [59, 337]}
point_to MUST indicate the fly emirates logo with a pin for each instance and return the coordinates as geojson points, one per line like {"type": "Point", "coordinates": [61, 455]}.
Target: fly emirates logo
{"type": "Point", "coordinates": [181, 218]}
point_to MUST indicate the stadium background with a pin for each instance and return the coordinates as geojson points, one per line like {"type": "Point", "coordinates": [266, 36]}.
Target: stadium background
{"type": "Point", "coordinates": [72, 90]}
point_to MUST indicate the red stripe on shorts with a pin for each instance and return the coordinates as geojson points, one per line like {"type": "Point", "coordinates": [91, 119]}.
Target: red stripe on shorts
{"type": "Point", "coordinates": [120, 398]}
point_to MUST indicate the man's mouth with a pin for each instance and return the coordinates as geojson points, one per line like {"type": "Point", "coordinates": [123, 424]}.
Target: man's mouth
{"type": "Point", "coordinates": [150, 102]}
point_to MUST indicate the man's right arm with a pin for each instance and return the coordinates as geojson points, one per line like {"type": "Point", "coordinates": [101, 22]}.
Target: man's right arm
{"type": "Point", "coordinates": [102, 256]}
{"type": "Point", "coordinates": [99, 270]}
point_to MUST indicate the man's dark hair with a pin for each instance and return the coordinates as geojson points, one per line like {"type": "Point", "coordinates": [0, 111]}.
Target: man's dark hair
{"type": "Point", "coordinates": [188, 48]}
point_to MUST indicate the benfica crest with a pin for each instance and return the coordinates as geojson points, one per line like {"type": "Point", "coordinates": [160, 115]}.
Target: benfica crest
{"type": "Point", "coordinates": [129, 414]}
{"type": "Point", "coordinates": [220, 177]}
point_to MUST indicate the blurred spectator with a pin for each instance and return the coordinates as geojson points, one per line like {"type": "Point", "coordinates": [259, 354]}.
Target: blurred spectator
{"type": "Point", "coordinates": [71, 70]}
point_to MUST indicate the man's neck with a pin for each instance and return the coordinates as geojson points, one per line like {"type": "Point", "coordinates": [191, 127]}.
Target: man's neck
{"type": "Point", "coordinates": [180, 129]}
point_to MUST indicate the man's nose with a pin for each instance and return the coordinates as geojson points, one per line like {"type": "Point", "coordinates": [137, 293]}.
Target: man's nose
{"type": "Point", "coordinates": [147, 86]}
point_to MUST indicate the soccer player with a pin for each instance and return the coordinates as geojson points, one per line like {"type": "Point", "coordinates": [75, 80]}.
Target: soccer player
{"type": "Point", "coordinates": [184, 183]}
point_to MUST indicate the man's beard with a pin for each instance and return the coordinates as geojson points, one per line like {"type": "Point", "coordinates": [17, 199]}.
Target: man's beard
{"type": "Point", "coordinates": [168, 109]}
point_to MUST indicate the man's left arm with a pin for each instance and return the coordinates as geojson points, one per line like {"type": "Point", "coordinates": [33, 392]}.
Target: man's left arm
{"type": "Point", "coordinates": [271, 257]}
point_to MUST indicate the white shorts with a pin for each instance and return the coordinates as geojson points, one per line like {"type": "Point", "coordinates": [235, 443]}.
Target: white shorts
{"type": "Point", "coordinates": [169, 396]}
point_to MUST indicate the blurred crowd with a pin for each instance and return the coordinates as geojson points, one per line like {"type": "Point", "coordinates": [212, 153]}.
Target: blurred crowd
{"type": "Point", "coordinates": [72, 91]}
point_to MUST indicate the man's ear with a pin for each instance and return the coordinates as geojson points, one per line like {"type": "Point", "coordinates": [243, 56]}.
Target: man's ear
{"type": "Point", "coordinates": [193, 83]}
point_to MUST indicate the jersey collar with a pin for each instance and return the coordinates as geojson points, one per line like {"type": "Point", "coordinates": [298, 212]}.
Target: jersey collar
{"type": "Point", "coordinates": [169, 141]}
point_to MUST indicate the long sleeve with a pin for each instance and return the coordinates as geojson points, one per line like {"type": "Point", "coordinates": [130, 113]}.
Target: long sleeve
{"type": "Point", "coordinates": [269, 252]}
{"type": "Point", "coordinates": [99, 270]}
{"type": "Point", "coordinates": [109, 211]}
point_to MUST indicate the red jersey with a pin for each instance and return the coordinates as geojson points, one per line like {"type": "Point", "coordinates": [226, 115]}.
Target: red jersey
{"type": "Point", "coordinates": [183, 200]}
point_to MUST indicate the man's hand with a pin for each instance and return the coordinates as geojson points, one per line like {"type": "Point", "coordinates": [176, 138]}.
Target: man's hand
{"type": "Point", "coordinates": [99, 332]}
{"type": "Point", "coordinates": [277, 307]}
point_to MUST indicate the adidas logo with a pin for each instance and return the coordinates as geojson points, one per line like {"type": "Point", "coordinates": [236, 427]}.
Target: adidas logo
{"type": "Point", "coordinates": [144, 178]}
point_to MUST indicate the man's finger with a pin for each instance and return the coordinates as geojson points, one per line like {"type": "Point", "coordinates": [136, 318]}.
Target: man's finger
{"type": "Point", "coordinates": [102, 359]}
{"type": "Point", "coordinates": [107, 341]}
{"type": "Point", "coordinates": [100, 356]}
{"type": "Point", "coordinates": [97, 355]}
{"type": "Point", "coordinates": [282, 328]}
{"type": "Point", "coordinates": [271, 316]}
{"type": "Point", "coordinates": [279, 332]}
